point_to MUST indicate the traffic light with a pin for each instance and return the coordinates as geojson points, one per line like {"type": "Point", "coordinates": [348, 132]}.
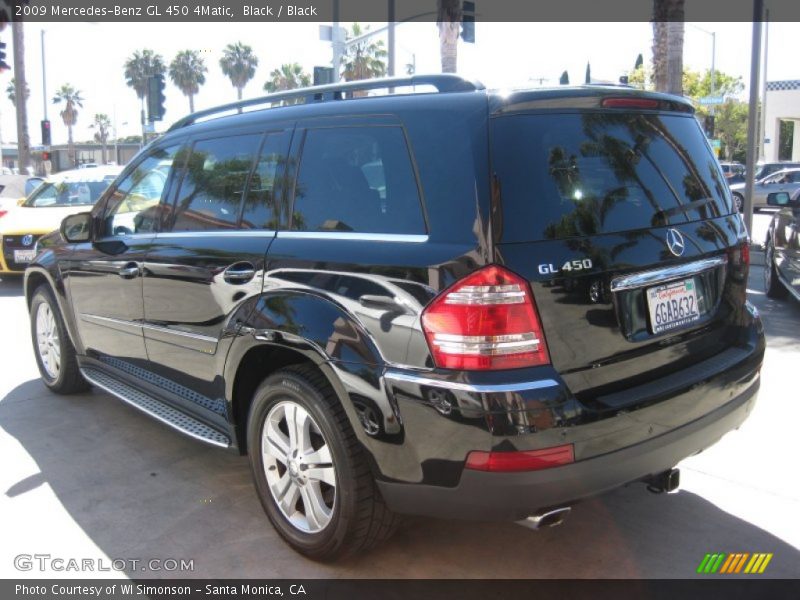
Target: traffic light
{"type": "Point", "coordinates": [3, 64]}
{"type": "Point", "coordinates": [45, 156]}
{"type": "Point", "coordinates": [46, 139]}
{"type": "Point", "coordinates": [155, 98]}
{"type": "Point", "coordinates": [708, 125]}
{"type": "Point", "coordinates": [468, 22]}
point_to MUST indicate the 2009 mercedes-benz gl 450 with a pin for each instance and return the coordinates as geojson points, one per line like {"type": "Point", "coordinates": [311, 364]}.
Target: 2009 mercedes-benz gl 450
{"type": "Point", "coordinates": [451, 302]}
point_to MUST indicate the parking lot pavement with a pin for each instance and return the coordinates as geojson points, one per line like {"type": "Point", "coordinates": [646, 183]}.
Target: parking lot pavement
{"type": "Point", "coordinates": [86, 476]}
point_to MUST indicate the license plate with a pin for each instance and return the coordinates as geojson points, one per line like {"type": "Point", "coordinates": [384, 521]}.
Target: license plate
{"type": "Point", "coordinates": [24, 256]}
{"type": "Point", "coordinates": [673, 305]}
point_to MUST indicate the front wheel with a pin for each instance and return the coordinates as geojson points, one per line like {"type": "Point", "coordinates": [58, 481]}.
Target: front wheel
{"type": "Point", "coordinates": [309, 469]}
{"type": "Point", "coordinates": [55, 354]}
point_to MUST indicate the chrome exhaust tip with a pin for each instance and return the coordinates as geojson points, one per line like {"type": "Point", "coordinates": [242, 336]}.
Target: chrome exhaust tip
{"type": "Point", "coordinates": [547, 518]}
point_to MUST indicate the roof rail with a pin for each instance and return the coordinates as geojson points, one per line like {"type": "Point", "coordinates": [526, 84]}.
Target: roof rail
{"type": "Point", "coordinates": [444, 83]}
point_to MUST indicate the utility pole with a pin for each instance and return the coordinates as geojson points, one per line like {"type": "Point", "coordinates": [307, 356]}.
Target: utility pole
{"type": "Point", "coordinates": [338, 45]}
{"type": "Point", "coordinates": [755, 60]}
{"type": "Point", "coordinates": [762, 122]}
{"type": "Point", "coordinates": [23, 137]}
{"type": "Point", "coordinates": [713, 68]}
{"type": "Point", "coordinates": [391, 40]}
{"type": "Point", "coordinates": [44, 81]}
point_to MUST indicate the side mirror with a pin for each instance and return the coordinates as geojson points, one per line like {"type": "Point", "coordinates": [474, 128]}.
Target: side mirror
{"type": "Point", "coordinates": [77, 228]}
{"type": "Point", "coordinates": [778, 199]}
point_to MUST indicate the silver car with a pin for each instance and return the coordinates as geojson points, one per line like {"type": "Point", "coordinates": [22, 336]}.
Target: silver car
{"type": "Point", "coordinates": [786, 180]}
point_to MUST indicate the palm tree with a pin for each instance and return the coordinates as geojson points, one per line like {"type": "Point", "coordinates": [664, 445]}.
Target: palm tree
{"type": "Point", "coordinates": [288, 76]}
{"type": "Point", "coordinates": [11, 91]}
{"type": "Point", "coordinates": [364, 60]}
{"type": "Point", "coordinates": [448, 20]}
{"type": "Point", "coordinates": [141, 65]}
{"type": "Point", "coordinates": [239, 64]}
{"type": "Point", "coordinates": [668, 16]}
{"type": "Point", "coordinates": [187, 71]}
{"type": "Point", "coordinates": [102, 124]}
{"type": "Point", "coordinates": [23, 137]}
{"type": "Point", "coordinates": [71, 99]}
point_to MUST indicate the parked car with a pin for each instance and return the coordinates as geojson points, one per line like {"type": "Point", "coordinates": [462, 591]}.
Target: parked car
{"type": "Point", "coordinates": [63, 194]}
{"type": "Point", "coordinates": [786, 180]}
{"type": "Point", "coordinates": [457, 303]}
{"type": "Point", "coordinates": [765, 169]}
{"type": "Point", "coordinates": [782, 247]}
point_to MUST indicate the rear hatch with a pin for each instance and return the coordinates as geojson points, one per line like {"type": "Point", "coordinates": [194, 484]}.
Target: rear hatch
{"type": "Point", "coordinates": [621, 220]}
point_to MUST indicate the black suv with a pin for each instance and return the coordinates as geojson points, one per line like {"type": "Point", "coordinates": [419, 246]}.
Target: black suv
{"type": "Point", "coordinates": [442, 301]}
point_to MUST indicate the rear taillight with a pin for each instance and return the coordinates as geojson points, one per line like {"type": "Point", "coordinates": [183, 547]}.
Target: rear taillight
{"type": "Point", "coordinates": [3, 213]}
{"type": "Point", "coordinates": [740, 255]}
{"type": "Point", "coordinates": [485, 321]}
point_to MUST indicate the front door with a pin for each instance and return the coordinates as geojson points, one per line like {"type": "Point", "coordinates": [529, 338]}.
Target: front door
{"type": "Point", "coordinates": [104, 275]}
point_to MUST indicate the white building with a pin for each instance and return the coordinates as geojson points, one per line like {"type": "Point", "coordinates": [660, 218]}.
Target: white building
{"type": "Point", "coordinates": [783, 104]}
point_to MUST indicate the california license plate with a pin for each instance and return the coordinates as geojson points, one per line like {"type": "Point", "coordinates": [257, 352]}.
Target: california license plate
{"type": "Point", "coordinates": [24, 256]}
{"type": "Point", "coordinates": [673, 305]}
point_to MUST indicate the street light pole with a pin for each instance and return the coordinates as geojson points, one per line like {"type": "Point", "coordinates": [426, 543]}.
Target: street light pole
{"type": "Point", "coordinates": [713, 65]}
{"type": "Point", "coordinates": [752, 125]}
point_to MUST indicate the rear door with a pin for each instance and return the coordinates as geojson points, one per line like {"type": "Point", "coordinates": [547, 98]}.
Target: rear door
{"type": "Point", "coordinates": [209, 258]}
{"type": "Point", "coordinates": [623, 224]}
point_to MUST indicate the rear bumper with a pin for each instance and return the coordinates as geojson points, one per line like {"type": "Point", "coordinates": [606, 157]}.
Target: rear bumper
{"type": "Point", "coordinates": [513, 496]}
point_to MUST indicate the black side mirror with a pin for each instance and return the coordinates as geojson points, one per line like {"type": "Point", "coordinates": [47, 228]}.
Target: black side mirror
{"type": "Point", "coordinates": [77, 228]}
{"type": "Point", "coordinates": [779, 199]}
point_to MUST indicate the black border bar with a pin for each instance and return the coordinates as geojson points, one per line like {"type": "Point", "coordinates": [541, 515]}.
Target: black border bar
{"type": "Point", "coordinates": [276, 11]}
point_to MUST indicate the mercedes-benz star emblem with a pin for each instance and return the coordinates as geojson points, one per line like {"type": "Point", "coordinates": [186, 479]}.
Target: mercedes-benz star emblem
{"type": "Point", "coordinates": [675, 242]}
{"type": "Point", "coordinates": [27, 240]}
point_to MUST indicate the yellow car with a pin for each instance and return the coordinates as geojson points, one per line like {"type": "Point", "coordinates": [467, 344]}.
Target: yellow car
{"type": "Point", "coordinates": [60, 195]}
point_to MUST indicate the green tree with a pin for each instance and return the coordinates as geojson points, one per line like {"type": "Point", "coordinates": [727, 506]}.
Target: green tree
{"type": "Point", "coordinates": [239, 64]}
{"type": "Point", "coordinates": [71, 98]}
{"type": "Point", "coordinates": [102, 124]}
{"type": "Point", "coordinates": [448, 21]}
{"type": "Point", "coordinates": [365, 59]}
{"type": "Point", "coordinates": [564, 79]}
{"type": "Point", "coordinates": [289, 76]}
{"type": "Point", "coordinates": [141, 65]}
{"type": "Point", "coordinates": [697, 85]}
{"type": "Point", "coordinates": [588, 73]}
{"type": "Point", "coordinates": [11, 91]}
{"type": "Point", "coordinates": [730, 127]}
{"type": "Point", "coordinates": [641, 77]}
{"type": "Point", "coordinates": [187, 71]}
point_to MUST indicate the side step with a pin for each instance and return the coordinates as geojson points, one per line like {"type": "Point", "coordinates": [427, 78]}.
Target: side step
{"type": "Point", "coordinates": [156, 409]}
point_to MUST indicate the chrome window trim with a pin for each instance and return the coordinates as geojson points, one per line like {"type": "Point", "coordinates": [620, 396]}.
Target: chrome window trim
{"type": "Point", "coordinates": [353, 235]}
{"type": "Point", "coordinates": [646, 278]}
{"type": "Point", "coordinates": [469, 387]}
{"type": "Point", "coordinates": [221, 233]}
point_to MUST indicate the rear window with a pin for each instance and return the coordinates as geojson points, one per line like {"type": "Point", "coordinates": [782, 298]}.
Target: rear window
{"type": "Point", "coordinates": [582, 174]}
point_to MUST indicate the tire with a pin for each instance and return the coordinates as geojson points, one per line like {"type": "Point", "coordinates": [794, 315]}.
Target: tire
{"type": "Point", "coordinates": [738, 200]}
{"type": "Point", "coordinates": [55, 354]}
{"type": "Point", "coordinates": [772, 285]}
{"type": "Point", "coordinates": [350, 515]}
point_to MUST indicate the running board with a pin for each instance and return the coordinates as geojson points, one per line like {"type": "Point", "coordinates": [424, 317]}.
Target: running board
{"type": "Point", "coordinates": [156, 408]}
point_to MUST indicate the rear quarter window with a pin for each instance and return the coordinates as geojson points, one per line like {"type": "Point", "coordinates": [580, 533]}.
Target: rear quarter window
{"type": "Point", "coordinates": [582, 174]}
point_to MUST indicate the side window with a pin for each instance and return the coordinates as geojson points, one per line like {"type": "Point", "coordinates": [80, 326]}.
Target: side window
{"type": "Point", "coordinates": [357, 179]}
{"type": "Point", "coordinates": [262, 204]}
{"type": "Point", "coordinates": [134, 205]}
{"type": "Point", "coordinates": [211, 191]}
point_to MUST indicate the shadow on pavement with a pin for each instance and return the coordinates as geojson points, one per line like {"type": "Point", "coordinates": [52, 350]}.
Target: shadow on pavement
{"type": "Point", "coordinates": [139, 490]}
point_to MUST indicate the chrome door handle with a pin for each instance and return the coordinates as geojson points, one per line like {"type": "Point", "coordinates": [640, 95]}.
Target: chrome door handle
{"type": "Point", "coordinates": [239, 273]}
{"type": "Point", "coordinates": [129, 271]}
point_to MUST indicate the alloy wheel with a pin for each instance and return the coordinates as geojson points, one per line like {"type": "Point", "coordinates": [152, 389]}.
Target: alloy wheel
{"type": "Point", "coordinates": [299, 467]}
{"type": "Point", "coordinates": [48, 343]}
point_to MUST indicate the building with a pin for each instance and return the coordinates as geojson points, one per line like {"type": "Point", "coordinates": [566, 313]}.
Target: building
{"type": "Point", "coordinates": [782, 121]}
{"type": "Point", "coordinates": [120, 153]}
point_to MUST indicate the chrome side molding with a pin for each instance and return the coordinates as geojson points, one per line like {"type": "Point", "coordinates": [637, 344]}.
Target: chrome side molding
{"type": "Point", "coordinates": [469, 387]}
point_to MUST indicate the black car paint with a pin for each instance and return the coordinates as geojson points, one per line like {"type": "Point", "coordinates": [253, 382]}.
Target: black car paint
{"type": "Point", "coordinates": [784, 237]}
{"type": "Point", "coordinates": [280, 315]}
